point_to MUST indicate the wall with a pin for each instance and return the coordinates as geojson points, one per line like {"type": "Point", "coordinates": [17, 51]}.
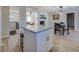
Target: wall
{"type": "Point", "coordinates": [46, 15]}
{"type": "Point", "coordinates": [5, 21]}
{"type": "Point", "coordinates": [61, 19]}
{"type": "Point", "coordinates": [14, 14]}
{"type": "Point", "coordinates": [76, 21]}
{"type": "Point", "coordinates": [13, 17]}
{"type": "Point", "coordinates": [76, 17]}
{"type": "Point", "coordinates": [22, 18]}
{"type": "Point", "coordinates": [0, 28]}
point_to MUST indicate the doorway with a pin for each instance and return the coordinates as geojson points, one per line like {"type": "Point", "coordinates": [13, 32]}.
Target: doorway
{"type": "Point", "coordinates": [70, 20]}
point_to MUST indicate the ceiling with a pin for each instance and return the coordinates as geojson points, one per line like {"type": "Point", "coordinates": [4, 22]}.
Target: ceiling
{"type": "Point", "coordinates": [55, 8]}
{"type": "Point", "coordinates": [48, 8]}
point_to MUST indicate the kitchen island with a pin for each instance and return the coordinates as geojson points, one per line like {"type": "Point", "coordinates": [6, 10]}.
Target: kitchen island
{"type": "Point", "coordinates": [38, 39]}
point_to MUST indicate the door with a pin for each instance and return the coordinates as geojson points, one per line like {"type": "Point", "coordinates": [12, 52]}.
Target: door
{"type": "Point", "coordinates": [70, 20]}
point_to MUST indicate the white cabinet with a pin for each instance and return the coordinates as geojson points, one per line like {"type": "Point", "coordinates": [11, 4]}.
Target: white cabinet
{"type": "Point", "coordinates": [38, 42]}
{"type": "Point", "coordinates": [44, 40]}
{"type": "Point", "coordinates": [50, 41]}
{"type": "Point", "coordinates": [29, 41]}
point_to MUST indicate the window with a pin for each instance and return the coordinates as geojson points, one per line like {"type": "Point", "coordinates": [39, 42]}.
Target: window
{"type": "Point", "coordinates": [31, 17]}
{"type": "Point", "coordinates": [28, 19]}
{"type": "Point", "coordinates": [14, 15]}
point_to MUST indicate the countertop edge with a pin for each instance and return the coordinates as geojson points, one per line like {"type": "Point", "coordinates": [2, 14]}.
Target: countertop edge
{"type": "Point", "coordinates": [37, 31]}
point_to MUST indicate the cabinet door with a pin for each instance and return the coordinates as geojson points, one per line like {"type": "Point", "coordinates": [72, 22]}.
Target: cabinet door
{"type": "Point", "coordinates": [29, 41]}
{"type": "Point", "coordinates": [42, 44]}
{"type": "Point", "coordinates": [50, 39]}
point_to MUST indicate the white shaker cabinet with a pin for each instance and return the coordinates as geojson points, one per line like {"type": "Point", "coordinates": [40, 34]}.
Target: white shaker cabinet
{"type": "Point", "coordinates": [45, 40]}
{"type": "Point", "coordinates": [41, 41]}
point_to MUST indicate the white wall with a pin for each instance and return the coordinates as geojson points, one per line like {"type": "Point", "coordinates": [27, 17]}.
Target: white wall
{"type": "Point", "coordinates": [76, 21]}
{"type": "Point", "coordinates": [0, 22]}
{"type": "Point", "coordinates": [13, 14]}
{"type": "Point", "coordinates": [22, 18]}
{"type": "Point", "coordinates": [0, 27]}
{"type": "Point", "coordinates": [5, 20]}
{"type": "Point", "coordinates": [46, 15]}
{"type": "Point", "coordinates": [62, 18]}
{"type": "Point", "coordinates": [13, 17]}
{"type": "Point", "coordinates": [76, 17]}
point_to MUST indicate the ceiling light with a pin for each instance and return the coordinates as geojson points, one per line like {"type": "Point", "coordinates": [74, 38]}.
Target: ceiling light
{"type": "Point", "coordinates": [61, 9]}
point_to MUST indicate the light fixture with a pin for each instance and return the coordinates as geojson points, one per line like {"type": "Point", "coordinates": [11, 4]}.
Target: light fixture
{"type": "Point", "coordinates": [61, 6]}
{"type": "Point", "coordinates": [60, 9]}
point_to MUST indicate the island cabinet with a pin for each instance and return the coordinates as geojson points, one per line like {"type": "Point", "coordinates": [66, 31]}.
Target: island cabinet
{"type": "Point", "coordinates": [38, 41]}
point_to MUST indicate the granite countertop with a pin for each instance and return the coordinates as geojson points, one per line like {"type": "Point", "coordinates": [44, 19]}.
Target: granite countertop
{"type": "Point", "coordinates": [37, 29]}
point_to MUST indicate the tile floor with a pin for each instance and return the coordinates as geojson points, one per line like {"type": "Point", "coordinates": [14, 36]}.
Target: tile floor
{"type": "Point", "coordinates": [67, 43]}
{"type": "Point", "coordinates": [11, 44]}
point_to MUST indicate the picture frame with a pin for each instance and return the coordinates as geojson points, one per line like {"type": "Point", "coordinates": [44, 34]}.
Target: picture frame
{"type": "Point", "coordinates": [56, 16]}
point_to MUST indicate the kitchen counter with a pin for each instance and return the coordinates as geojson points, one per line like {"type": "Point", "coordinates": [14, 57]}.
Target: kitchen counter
{"type": "Point", "coordinates": [37, 29]}
{"type": "Point", "coordinates": [38, 39]}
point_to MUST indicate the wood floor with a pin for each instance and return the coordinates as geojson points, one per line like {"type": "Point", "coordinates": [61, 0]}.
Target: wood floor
{"type": "Point", "coordinates": [67, 43]}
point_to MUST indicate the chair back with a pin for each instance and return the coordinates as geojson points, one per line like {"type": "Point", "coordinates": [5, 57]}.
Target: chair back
{"type": "Point", "coordinates": [57, 26]}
